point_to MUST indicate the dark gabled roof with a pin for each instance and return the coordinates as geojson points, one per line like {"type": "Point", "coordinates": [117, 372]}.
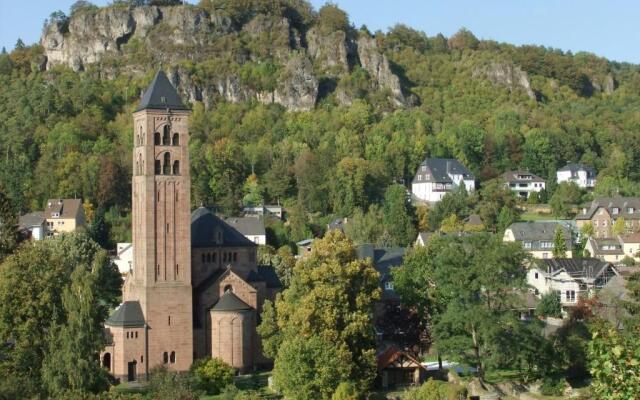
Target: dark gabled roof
{"type": "Point", "coordinates": [209, 280]}
{"type": "Point", "coordinates": [230, 302]}
{"type": "Point", "coordinates": [521, 177]}
{"type": "Point", "coordinates": [537, 232]}
{"type": "Point", "coordinates": [387, 357]}
{"type": "Point", "coordinates": [161, 95]}
{"type": "Point", "coordinates": [473, 219]}
{"type": "Point", "coordinates": [384, 258]}
{"type": "Point", "coordinates": [205, 226]}
{"type": "Point", "coordinates": [439, 169]}
{"type": "Point", "coordinates": [248, 226]}
{"type": "Point", "coordinates": [575, 167]}
{"type": "Point", "coordinates": [266, 274]}
{"type": "Point", "coordinates": [576, 267]}
{"type": "Point", "coordinates": [128, 314]}
{"type": "Point", "coordinates": [32, 219]}
{"type": "Point", "coordinates": [609, 203]}
{"type": "Point", "coordinates": [598, 244]}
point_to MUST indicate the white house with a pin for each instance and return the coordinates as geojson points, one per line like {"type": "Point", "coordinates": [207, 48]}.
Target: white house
{"type": "Point", "coordinates": [124, 257]}
{"type": "Point", "coordinates": [523, 183]}
{"type": "Point", "coordinates": [631, 245]}
{"type": "Point", "coordinates": [571, 278]}
{"type": "Point", "coordinates": [438, 176]}
{"type": "Point", "coordinates": [251, 227]}
{"type": "Point", "coordinates": [580, 174]}
{"type": "Point", "coordinates": [606, 249]}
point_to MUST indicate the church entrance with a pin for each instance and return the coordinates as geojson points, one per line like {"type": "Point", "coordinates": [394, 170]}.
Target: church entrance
{"type": "Point", "coordinates": [132, 374]}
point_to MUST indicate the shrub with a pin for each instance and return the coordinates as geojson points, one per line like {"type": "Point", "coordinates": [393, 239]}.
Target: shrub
{"type": "Point", "coordinates": [628, 261]}
{"type": "Point", "coordinates": [167, 385]}
{"type": "Point", "coordinates": [212, 375]}
{"type": "Point", "coordinates": [346, 391]}
{"type": "Point", "coordinates": [552, 386]}
{"type": "Point", "coordinates": [437, 390]}
{"type": "Point", "coordinates": [549, 306]}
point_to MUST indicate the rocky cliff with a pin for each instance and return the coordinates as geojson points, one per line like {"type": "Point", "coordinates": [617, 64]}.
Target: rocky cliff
{"type": "Point", "coordinates": [174, 36]}
{"type": "Point", "coordinates": [507, 74]}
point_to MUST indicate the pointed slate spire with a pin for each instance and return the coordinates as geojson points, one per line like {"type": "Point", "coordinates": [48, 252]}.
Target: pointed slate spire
{"type": "Point", "coordinates": [161, 95]}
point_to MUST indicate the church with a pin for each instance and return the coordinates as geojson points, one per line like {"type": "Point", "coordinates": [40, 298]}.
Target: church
{"type": "Point", "coordinates": [195, 288]}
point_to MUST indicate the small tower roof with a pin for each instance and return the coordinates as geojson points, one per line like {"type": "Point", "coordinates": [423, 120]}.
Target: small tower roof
{"type": "Point", "coordinates": [161, 95]}
{"type": "Point", "coordinates": [128, 314]}
{"type": "Point", "coordinates": [230, 302]}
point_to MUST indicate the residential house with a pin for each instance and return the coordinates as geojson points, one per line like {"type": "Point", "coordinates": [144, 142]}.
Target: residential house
{"type": "Point", "coordinates": [63, 215]}
{"type": "Point", "coordinates": [580, 174]}
{"type": "Point", "coordinates": [271, 210]}
{"type": "Point", "coordinates": [606, 249]}
{"type": "Point", "coordinates": [384, 260]}
{"type": "Point", "coordinates": [438, 176]}
{"type": "Point", "coordinates": [603, 212]}
{"type": "Point", "coordinates": [523, 183]}
{"type": "Point", "coordinates": [422, 239]}
{"type": "Point", "coordinates": [537, 238]}
{"type": "Point", "coordinates": [398, 368]}
{"type": "Point", "coordinates": [571, 278]}
{"type": "Point", "coordinates": [631, 245]}
{"type": "Point", "coordinates": [124, 257]}
{"type": "Point", "coordinates": [32, 225]}
{"type": "Point", "coordinates": [251, 227]}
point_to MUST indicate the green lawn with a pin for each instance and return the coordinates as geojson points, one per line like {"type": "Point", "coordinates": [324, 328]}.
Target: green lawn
{"type": "Point", "coordinates": [534, 216]}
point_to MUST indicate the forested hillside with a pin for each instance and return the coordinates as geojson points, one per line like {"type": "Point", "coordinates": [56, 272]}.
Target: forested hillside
{"type": "Point", "coordinates": [298, 106]}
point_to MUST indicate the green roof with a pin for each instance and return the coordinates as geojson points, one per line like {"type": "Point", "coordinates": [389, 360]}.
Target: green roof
{"type": "Point", "coordinates": [128, 314]}
{"type": "Point", "coordinates": [230, 302]}
{"type": "Point", "coordinates": [161, 95]}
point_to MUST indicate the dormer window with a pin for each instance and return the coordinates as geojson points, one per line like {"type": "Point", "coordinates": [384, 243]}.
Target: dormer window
{"type": "Point", "coordinates": [55, 215]}
{"type": "Point", "coordinates": [615, 210]}
{"type": "Point", "coordinates": [424, 167]}
{"type": "Point", "coordinates": [388, 286]}
{"type": "Point", "coordinates": [419, 177]}
{"type": "Point", "coordinates": [631, 210]}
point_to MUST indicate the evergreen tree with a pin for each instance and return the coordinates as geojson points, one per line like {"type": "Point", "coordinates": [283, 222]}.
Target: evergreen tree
{"type": "Point", "coordinates": [559, 243]}
{"type": "Point", "coordinates": [99, 229]}
{"type": "Point", "coordinates": [398, 216]}
{"type": "Point", "coordinates": [9, 235]}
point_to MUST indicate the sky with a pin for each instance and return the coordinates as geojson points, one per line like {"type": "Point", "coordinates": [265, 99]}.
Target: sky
{"type": "Point", "coordinates": [607, 28]}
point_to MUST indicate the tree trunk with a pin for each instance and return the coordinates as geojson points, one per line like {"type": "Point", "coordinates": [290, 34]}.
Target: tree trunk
{"type": "Point", "coordinates": [476, 351]}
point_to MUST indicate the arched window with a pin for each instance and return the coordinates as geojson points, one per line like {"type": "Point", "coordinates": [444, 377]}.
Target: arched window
{"type": "Point", "coordinates": [165, 136]}
{"type": "Point", "coordinates": [208, 257]}
{"type": "Point", "coordinates": [166, 166]}
{"type": "Point", "coordinates": [228, 289]}
{"type": "Point", "coordinates": [106, 361]}
{"type": "Point", "coordinates": [172, 357]}
{"type": "Point", "coordinates": [176, 140]}
{"type": "Point", "coordinates": [158, 167]}
{"type": "Point", "coordinates": [165, 357]}
{"type": "Point", "coordinates": [156, 138]}
{"type": "Point", "coordinates": [176, 167]}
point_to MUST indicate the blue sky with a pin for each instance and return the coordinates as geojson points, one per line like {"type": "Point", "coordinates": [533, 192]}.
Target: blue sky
{"type": "Point", "coordinates": [607, 28]}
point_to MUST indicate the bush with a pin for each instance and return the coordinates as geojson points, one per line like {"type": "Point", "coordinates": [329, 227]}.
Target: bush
{"type": "Point", "coordinates": [549, 306]}
{"type": "Point", "coordinates": [346, 391]}
{"type": "Point", "coordinates": [628, 261]}
{"type": "Point", "coordinates": [167, 385]}
{"type": "Point", "coordinates": [552, 386]}
{"type": "Point", "coordinates": [437, 390]}
{"type": "Point", "coordinates": [212, 375]}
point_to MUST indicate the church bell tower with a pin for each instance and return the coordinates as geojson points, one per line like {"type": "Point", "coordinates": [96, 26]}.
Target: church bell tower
{"type": "Point", "coordinates": [161, 273]}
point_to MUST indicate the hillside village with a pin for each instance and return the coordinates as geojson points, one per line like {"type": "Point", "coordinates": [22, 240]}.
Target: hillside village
{"type": "Point", "coordinates": [259, 200]}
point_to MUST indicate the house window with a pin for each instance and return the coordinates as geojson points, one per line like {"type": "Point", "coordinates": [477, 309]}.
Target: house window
{"type": "Point", "coordinates": [630, 210]}
{"type": "Point", "coordinates": [176, 167]}
{"type": "Point", "coordinates": [545, 255]}
{"type": "Point", "coordinates": [424, 167]}
{"type": "Point", "coordinates": [165, 357]}
{"type": "Point", "coordinates": [172, 357]}
{"type": "Point", "coordinates": [570, 295]}
{"type": "Point", "coordinates": [536, 275]}
{"type": "Point", "coordinates": [419, 177]}
{"type": "Point", "coordinates": [176, 140]}
{"type": "Point", "coordinates": [158, 167]}
{"type": "Point", "coordinates": [235, 257]}
{"type": "Point", "coordinates": [527, 245]}
{"type": "Point", "coordinates": [615, 210]}
{"type": "Point", "coordinates": [228, 289]}
{"type": "Point", "coordinates": [136, 333]}
{"type": "Point", "coordinates": [166, 166]}
{"type": "Point", "coordinates": [204, 257]}
{"type": "Point", "coordinates": [388, 286]}
{"type": "Point", "coordinates": [156, 138]}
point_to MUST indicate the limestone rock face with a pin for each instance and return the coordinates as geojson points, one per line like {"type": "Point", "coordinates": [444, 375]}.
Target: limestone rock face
{"type": "Point", "coordinates": [171, 36]}
{"type": "Point", "coordinates": [330, 52]}
{"type": "Point", "coordinates": [377, 65]}
{"type": "Point", "coordinates": [299, 88]}
{"type": "Point", "coordinates": [508, 75]}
